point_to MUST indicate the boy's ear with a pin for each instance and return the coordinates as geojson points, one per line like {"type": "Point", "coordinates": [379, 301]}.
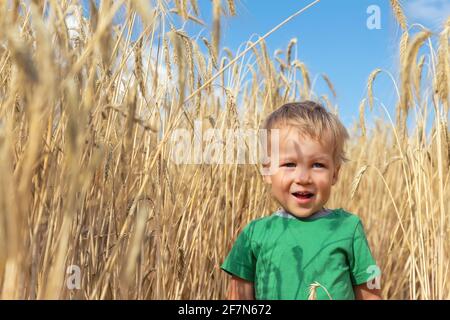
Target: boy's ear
{"type": "Point", "coordinates": [336, 175]}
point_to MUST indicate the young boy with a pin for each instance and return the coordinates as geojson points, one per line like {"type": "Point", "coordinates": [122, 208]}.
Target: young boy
{"type": "Point", "coordinates": [303, 244]}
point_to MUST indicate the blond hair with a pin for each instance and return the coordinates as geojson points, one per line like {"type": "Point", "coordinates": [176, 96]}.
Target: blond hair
{"type": "Point", "coordinates": [314, 121]}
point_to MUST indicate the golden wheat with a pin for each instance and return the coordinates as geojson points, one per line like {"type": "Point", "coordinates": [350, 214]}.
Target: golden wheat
{"type": "Point", "coordinates": [357, 180]}
{"type": "Point", "coordinates": [398, 13]}
{"type": "Point", "coordinates": [88, 177]}
{"type": "Point", "coordinates": [370, 82]}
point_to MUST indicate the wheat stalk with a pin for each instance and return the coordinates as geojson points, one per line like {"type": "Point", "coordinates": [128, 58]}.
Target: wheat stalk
{"type": "Point", "coordinates": [211, 51]}
{"type": "Point", "coordinates": [291, 44]}
{"type": "Point", "coordinates": [370, 82]}
{"type": "Point", "coordinates": [391, 161]}
{"type": "Point", "coordinates": [418, 76]}
{"type": "Point", "coordinates": [305, 75]}
{"type": "Point", "coordinates": [410, 59]}
{"type": "Point", "coordinates": [181, 8]}
{"type": "Point", "coordinates": [329, 84]}
{"type": "Point", "coordinates": [201, 62]}
{"type": "Point", "coordinates": [357, 179]}
{"type": "Point", "coordinates": [190, 17]}
{"type": "Point", "coordinates": [190, 58]}
{"type": "Point", "coordinates": [231, 7]}
{"type": "Point", "coordinates": [194, 6]}
{"type": "Point", "coordinates": [139, 72]}
{"type": "Point", "coordinates": [216, 27]}
{"type": "Point", "coordinates": [181, 265]}
{"type": "Point", "coordinates": [361, 117]}
{"type": "Point", "coordinates": [167, 58]}
{"type": "Point", "coordinates": [442, 81]}
{"type": "Point", "coordinates": [313, 291]}
{"type": "Point", "coordinates": [283, 65]}
{"type": "Point", "coordinates": [403, 46]}
{"type": "Point", "coordinates": [144, 9]}
{"type": "Point", "coordinates": [398, 13]}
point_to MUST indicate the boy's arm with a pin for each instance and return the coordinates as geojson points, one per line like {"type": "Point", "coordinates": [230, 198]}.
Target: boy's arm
{"type": "Point", "coordinates": [240, 289]}
{"type": "Point", "coordinates": [362, 292]}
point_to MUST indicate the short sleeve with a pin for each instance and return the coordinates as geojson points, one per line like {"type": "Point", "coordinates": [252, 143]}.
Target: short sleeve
{"type": "Point", "coordinates": [362, 264]}
{"type": "Point", "coordinates": [241, 260]}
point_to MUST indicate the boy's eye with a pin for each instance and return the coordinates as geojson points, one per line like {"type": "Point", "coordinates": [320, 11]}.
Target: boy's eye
{"type": "Point", "coordinates": [289, 165]}
{"type": "Point", "coordinates": [319, 164]}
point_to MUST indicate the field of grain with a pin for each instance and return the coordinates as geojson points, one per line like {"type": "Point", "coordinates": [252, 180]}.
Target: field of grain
{"type": "Point", "coordinates": [87, 183]}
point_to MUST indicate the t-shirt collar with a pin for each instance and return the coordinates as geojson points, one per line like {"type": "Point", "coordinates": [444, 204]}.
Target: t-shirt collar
{"type": "Point", "coordinates": [285, 214]}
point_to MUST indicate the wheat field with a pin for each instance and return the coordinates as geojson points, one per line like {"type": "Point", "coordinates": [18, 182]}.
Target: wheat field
{"type": "Point", "coordinates": [86, 114]}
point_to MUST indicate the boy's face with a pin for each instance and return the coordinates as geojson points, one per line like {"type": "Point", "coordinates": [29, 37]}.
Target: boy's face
{"type": "Point", "coordinates": [304, 166]}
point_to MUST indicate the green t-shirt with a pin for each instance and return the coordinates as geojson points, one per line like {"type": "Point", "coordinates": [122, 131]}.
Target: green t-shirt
{"type": "Point", "coordinates": [283, 255]}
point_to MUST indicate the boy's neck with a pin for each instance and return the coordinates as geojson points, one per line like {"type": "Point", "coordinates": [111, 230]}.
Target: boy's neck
{"type": "Point", "coordinates": [322, 212]}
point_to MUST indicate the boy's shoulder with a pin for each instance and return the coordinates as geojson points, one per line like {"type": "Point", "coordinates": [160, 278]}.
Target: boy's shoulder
{"type": "Point", "coordinates": [349, 219]}
{"type": "Point", "coordinates": [347, 215]}
{"type": "Point", "coordinates": [259, 224]}
{"type": "Point", "coordinates": [267, 222]}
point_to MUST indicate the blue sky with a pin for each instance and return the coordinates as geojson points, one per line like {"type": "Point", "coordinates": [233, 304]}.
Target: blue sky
{"type": "Point", "coordinates": [333, 38]}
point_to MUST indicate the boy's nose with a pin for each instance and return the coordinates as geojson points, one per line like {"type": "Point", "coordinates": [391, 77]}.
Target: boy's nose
{"type": "Point", "coordinates": [302, 177]}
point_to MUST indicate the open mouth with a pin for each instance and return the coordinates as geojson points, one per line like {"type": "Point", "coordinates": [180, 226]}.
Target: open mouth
{"type": "Point", "coordinates": [303, 195]}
